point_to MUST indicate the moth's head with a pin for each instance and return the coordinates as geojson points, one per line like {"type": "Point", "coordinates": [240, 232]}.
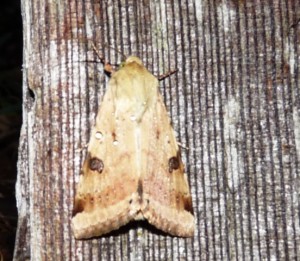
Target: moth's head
{"type": "Point", "coordinates": [132, 59]}
{"type": "Point", "coordinates": [133, 62]}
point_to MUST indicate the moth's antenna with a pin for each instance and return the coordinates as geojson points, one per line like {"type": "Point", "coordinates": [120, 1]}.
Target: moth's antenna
{"type": "Point", "coordinates": [165, 75]}
{"type": "Point", "coordinates": [108, 67]}
{"type": "Point", "coordinates": [118, 51]}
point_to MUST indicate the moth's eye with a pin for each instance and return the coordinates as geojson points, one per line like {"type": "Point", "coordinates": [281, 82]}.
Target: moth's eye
{"type": "Point", "coordinates": [96, 164]}
{"type": "Point", "coordinates": [122, 64]}
{"type": "Point", "coordinates": [173, 164]}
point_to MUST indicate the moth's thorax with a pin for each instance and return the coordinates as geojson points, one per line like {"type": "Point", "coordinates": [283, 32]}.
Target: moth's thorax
{"type": "Point", "coordinates": [134, 88]}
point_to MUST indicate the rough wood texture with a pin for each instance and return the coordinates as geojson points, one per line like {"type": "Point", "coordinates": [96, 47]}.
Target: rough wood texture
{"type": "Point", "coordinates": [235, 103]}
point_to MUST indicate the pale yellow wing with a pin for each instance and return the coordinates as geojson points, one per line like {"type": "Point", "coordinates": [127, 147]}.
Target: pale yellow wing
{"type": "Point", "coordinates": [106, 195]}
{"type": "Point", "coordinates": [167, 202]}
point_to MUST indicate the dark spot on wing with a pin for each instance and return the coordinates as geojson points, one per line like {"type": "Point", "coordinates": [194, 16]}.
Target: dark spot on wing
{"type": "Point", "coordinates": [187, 203]}
{"type": "Point", "coordinates": [78, 206]}
{"type": "Point", "coordinates": [96, 164]}
{"type": "Point", "coordinates": [173, 164]}
{"type": "Point", "coordinates": [140, 191]}
{"type": "Point", "coordinates": [157, 134]}
{"type": "Point", "coordinates": [140, 188]}
{"type": "Point", "coordinates": [184, 202]}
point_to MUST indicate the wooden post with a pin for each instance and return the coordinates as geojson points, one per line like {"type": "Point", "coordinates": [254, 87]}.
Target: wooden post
{"type": "Point", "coordinates": [234, 103]}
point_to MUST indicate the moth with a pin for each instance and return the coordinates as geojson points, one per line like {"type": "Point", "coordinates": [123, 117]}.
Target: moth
{"type": "Point", "coordinates": [133, 168]}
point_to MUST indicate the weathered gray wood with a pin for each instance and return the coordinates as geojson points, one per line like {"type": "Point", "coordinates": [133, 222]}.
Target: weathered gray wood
{"type": "Point", "coordinates": [235, 103]}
